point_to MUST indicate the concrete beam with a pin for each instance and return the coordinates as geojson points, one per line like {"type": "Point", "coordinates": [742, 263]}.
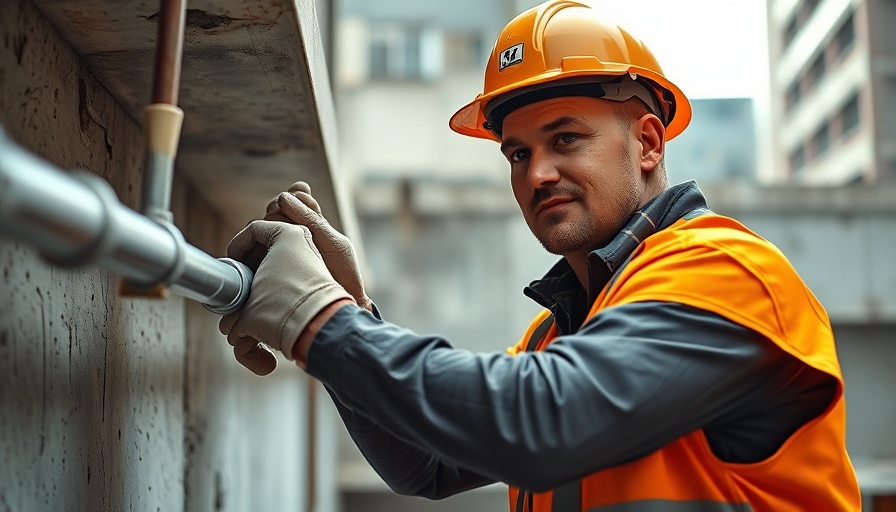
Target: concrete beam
{"type": "Point", "coordinates": [743, 198]}
{"type": "Point", "coordinates": [255, 91]}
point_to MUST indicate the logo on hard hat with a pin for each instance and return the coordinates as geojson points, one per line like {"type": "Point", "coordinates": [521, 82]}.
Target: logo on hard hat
{"type": "Point", "coordinates": [511, 56]}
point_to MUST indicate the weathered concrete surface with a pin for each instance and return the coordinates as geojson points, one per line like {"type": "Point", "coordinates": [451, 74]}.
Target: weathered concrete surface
{"type": "Point", "coordinates": [91, 391]}
{"type": "Point", "coordinates": [91, 388]}
{"type": "Point", "coordinates": [244, 436]}
{"type": "Point", "coordinates": [254, 89]}
{"type": "Point", "coordinates": [111, 403]}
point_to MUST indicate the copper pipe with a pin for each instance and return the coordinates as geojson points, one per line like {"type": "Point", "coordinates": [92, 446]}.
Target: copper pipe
{"type": "Point", "coordinates": [166, 78]}
{"type": "Point", "coordinates": [162, 124]}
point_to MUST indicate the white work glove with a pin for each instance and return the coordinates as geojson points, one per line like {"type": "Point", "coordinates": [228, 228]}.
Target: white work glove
{"type": "Point", "coordinates": [298, 206]}
{"type": "Point", "coordinates": [291, 286]}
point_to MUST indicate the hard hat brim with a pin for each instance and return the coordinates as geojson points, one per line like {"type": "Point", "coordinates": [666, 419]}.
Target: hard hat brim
{"type": "Point", "coordinates": [470, 119]}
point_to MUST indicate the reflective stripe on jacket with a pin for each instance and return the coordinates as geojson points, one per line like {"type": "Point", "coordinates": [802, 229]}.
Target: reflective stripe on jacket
{"type": "Point", "coordinates": [716, 264]}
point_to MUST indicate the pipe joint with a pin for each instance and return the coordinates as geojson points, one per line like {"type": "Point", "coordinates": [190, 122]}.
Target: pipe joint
{"type": "Point", "coordinates": [180, 248]}
{"type": "Point", "coordinates": [245, 276]}
{"type": "Point", "coordinates": [75, 218]}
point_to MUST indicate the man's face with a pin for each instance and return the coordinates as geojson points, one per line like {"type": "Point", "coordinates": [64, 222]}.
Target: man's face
{"type": "Point", "coordinates": [575, 171]}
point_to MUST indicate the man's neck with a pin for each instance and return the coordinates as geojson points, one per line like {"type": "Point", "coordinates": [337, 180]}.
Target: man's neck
{"type": "Point", "coordinates": [579, 265]}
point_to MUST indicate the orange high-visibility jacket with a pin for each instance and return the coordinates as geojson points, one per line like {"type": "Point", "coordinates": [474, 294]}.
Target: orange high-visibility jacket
{"type": "Point", "coordinates": [714, 263]}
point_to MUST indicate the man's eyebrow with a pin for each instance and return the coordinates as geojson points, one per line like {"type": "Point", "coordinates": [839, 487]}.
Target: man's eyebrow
{"type": "Point", "coordinates": [549, 127]}
{"type": "Point", "coordinates": [561, 121]}
{"type": "Point", "coordinates": [512, 142]}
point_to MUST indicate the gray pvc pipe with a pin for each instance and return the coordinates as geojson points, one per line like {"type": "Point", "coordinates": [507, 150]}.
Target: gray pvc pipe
{"type": "Point", "coordinates": [75, 219]}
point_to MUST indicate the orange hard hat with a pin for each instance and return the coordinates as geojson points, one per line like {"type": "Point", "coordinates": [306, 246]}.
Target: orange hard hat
{"type": "Point", "coordinates": [562, 48]}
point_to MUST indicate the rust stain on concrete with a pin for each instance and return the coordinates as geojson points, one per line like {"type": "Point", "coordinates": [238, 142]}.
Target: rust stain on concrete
{"type": "Point", "coordinates": [197, 18]}
{"type": "Point", "coordinates": [206, 21]}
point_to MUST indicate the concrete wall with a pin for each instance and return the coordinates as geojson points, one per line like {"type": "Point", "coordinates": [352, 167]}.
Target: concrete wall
{"type": "Point", "coordinates": [113, 403]}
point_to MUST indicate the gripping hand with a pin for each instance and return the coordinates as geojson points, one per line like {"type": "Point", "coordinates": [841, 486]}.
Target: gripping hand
{"type": "Point", "coordinates": [291, 286]}
{"type": "Point", "coordinates": [297, 205]}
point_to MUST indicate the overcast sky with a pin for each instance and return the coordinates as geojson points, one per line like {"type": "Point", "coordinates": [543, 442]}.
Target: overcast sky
{"type": "Point", "coordinates": [709, 48]}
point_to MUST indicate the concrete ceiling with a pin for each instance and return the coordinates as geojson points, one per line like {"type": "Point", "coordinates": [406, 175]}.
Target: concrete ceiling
{"type": "Point", "coordinates": [254, 89]}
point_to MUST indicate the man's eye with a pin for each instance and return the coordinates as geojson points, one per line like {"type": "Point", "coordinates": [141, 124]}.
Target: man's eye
{"type": "Point", "coordinates": [519, 155]}
{"type": "Point", "coordinates": [566, 138]}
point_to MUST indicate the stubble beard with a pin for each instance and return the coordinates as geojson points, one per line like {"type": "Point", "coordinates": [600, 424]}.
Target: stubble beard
{"type": "Point", "coordinates": [585, 234]}
{"type": "Point", "coordinates": [591, 231]}
{"type": "Point", "coordinates": [564, 237]}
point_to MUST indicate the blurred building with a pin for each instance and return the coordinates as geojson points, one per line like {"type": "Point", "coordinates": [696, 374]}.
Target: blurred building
{"type": "Point", "coordinates": [833, 71]}
{"type": "Point", "coordinates": [719, 145]}
{"type": "Point", "coordinates": [402, 70]}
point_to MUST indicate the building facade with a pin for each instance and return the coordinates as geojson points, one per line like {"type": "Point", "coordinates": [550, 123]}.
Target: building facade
{"type": "Point", "coordinates": [719, 145]}
{"type": "Point", "coordinates": [833, 90]}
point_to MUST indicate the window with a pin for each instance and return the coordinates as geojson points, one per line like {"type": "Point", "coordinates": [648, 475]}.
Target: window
{"type": "Point", "coordinates": [803, 13]}
{"type": "Point", "coordinates": [849, 117]}
{"type": "Point", "coordinates": [821, 140]}
{"type": "Point", "coordinates": [792, 95]}
{"type": "Point", "coordinates": [815, 72]}
{"type": "Point", "coordinates": [845, 38]}
{"type": "Point", "coordinates": [790, 31]}
{"type": "Point", "coordinates": [404, 53]}
{"type": "Point", "coordinates": [807, 9]}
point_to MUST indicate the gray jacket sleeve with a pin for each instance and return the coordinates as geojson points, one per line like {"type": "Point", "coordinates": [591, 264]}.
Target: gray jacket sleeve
{"type": "Point", "coordinates": [632, 379]}
{"type": "Point", "coordinates": [405, 468]}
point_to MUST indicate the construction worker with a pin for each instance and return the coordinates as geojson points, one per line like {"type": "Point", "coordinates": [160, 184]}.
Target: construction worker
{"type": "Point", "coordinates": [680, 362]}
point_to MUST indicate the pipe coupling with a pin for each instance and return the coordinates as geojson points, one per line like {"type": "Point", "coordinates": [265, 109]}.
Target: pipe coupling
{"type": "Point", "coordinates": [245, 275]}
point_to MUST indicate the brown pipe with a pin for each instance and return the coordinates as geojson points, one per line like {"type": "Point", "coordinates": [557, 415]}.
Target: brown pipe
{"type": "Point", "coordinates": [166, 79]}
{"type": "Point", "coordinates": [163, 121]}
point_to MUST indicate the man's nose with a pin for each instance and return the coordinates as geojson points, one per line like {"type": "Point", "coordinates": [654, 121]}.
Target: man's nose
{"type": "Point", "coordinates": [542, 171]}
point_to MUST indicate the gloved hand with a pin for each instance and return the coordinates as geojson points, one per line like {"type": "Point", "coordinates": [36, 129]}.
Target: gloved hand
{"type": "Point", "coordinates": [297, 205]}
{"type": "Point", "coordinates": [291, 286]}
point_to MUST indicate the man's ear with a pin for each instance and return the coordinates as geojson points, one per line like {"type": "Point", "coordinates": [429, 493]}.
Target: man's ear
{"type": "Point", "coordinates": [652, 135]}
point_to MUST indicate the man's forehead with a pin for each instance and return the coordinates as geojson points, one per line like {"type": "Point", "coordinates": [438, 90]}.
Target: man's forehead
{"type": "Point", "coordinates": [544, 114]}
{"type": "Point", "coordinates": [562, 102]}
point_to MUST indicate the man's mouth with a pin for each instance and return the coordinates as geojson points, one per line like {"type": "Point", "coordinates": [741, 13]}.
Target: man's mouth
{"type": "Point", "coordinates": [552, 204]}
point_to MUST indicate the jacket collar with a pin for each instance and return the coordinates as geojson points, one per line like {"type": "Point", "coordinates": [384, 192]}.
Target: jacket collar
{"type": "Point", "coordinates": [560, 290]}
